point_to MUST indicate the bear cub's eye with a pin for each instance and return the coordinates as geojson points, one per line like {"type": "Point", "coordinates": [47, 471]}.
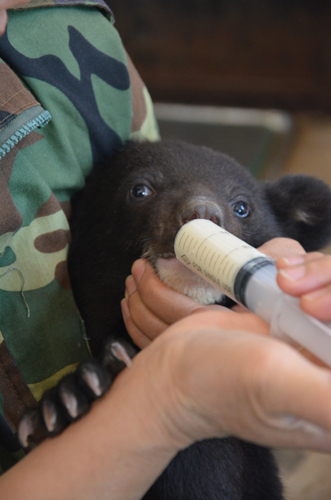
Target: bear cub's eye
{"type": "Point", "coordinates": [140, 191]}
{"type": "Point", "coordinates": [241, 209]}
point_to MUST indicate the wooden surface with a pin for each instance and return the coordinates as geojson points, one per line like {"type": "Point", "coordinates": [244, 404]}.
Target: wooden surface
{"type": "Point", "coordinates": [263, 53]}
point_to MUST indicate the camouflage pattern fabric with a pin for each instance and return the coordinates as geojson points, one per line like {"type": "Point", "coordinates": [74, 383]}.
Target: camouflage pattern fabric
{"type": "Point", "coordinates": [69, 97]}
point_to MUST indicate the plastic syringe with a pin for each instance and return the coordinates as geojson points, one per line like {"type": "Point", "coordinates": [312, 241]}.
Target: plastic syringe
{"type": "Point", "coordinates": [249, 277]}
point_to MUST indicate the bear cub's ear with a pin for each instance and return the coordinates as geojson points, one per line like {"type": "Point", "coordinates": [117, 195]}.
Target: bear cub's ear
{"type": "Point", "coordinates": [302, 207]}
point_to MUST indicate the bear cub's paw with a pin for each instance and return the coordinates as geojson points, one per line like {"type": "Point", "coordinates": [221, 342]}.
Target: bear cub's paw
{"type": "Point", "coordinates": [74, 394]}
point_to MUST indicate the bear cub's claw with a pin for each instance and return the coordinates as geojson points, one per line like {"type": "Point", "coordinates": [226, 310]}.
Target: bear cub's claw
{"type": "Point", "coordinates": [73, 396]}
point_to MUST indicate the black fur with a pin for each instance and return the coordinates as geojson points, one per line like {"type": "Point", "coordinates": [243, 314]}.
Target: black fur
{"type": "Point", "coordinates": [133, 207]}
{"type": "Point", "coordinates": [124, 228]}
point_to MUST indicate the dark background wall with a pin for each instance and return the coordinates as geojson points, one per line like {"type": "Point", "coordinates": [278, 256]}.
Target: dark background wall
{"type": "Point", "coordinates": [266, 53]}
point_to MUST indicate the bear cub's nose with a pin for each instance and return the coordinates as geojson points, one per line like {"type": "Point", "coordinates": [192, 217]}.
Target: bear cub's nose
{"type": "Point", "coordinates": [202, 210]}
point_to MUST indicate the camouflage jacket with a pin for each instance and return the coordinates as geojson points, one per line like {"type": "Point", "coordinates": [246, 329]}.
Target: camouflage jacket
{"type": "Point", "coordinates": [69, 96]}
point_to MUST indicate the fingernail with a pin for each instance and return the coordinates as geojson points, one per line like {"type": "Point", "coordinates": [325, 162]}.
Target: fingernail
{"type": "Point", "coordinates": [125, 309]}
{"type": "Point", "coordinates": [293, 260]}
{"type": "Point", "coordinates": [130, 285]}
{"type": "Point", "coordinates": [293, 273]}
{"type": "Point", "coordinates": [316, 294]}
{"type": "Point", "coordinates": [138, 269]}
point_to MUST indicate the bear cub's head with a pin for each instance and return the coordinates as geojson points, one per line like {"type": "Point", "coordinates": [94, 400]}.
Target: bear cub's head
{"type": "Point", "coordinates": [135, 205]}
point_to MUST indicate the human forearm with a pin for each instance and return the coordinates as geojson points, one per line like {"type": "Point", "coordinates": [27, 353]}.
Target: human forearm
{"type": "Point", "coordinates": [116, 451]}
{"type": "Point", "coordinates": [195, 381]}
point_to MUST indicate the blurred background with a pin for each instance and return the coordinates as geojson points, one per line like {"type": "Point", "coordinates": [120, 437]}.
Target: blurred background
{"type": "Point", "coordinates": [253, 79]}
{"type": "Point", "coordinates": [256, 53]}
{"type": "Point", "coordinates": [261, 54]}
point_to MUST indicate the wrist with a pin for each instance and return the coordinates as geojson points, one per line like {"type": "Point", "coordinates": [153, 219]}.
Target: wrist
{"type": "Point", "coordinates": [171, 386]}
{"type": "Point", "coordinates": [148, 397]}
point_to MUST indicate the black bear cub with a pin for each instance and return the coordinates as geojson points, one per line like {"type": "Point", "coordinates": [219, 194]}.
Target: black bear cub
{"type": "Point", "coordinates": [133, 207]}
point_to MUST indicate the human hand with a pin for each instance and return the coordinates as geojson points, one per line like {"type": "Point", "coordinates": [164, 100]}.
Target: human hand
{"type": "Point", "coordinates": [309, 278]}
{"type": "Point", "coordinates": [228, 382]}
{"type": "Point", "coordinates": [150, 306]}
{"type": "Point", "coordinates": [4, 6]}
